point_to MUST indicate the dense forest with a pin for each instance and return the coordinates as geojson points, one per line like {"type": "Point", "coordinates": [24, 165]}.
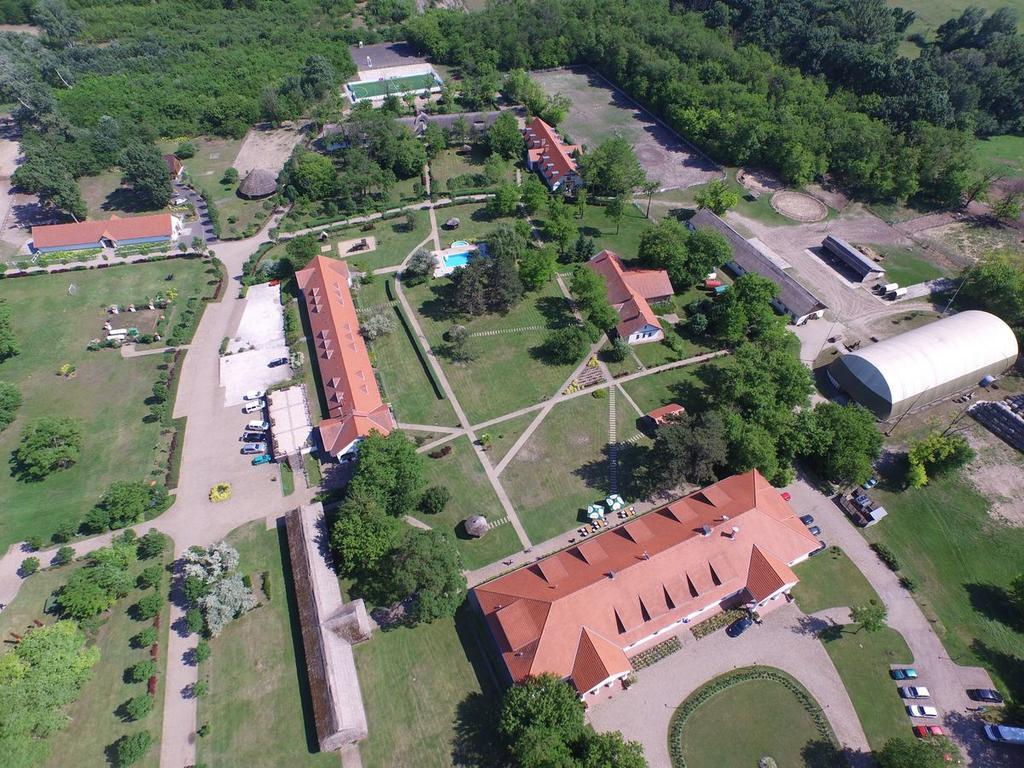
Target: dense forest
{"type": "Point", "coordinates": [735, 100]}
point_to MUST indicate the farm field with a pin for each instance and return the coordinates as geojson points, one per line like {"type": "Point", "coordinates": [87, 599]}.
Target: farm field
{"type": "Point", "coordinates": [258, 708]}
{"type": "Point", "coordinates": [482, 385]}
{"type": "Point", "coordinates": [105, 396]}
{"type": "Point", "coordinates": [461, 473]}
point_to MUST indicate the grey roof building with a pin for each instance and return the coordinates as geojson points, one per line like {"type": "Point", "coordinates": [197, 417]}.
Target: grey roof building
{"type": "Point", "coordinates": [853, 259]}
{"type": "Point", "coordinates": [913, 369]}
{"type": "Point", "coordinates": [794, 300]}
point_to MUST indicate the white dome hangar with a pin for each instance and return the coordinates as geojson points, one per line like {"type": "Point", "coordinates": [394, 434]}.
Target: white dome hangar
{"type": "Point", "coordinates": [926, 364]}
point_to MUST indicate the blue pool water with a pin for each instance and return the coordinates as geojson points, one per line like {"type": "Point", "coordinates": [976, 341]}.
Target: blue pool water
{"type": "Point", "coordinates": [453, 260]}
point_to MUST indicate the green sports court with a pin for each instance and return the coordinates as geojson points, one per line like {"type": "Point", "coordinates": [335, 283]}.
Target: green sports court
{"type": "Point", "coordinates": [360, 90]}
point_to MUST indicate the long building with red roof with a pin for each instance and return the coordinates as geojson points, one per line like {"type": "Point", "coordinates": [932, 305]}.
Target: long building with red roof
{"type": "Point", "coordinates": [354, 403]}
{"type": "Point", "coordinates": [549, 156]}
{"type": "Point", "coordinates": [107, 233]}
{"type": "Point", "coordinates": [630, 291]}
{"type": "Point", "coordinates": [580, 613]}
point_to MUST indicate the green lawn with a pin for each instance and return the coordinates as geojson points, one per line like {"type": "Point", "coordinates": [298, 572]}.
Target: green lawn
{"type": "Point", "coordinates": [106, 396]}
{"type": "Point", "coordinates": [505, 433]}
{"type": "Point", "coordinates": [863, 660]}
{"type": "Point", "coordinates": [907, 267]}
{"type": "Point", "coordinates": [93, 724]}
{"type": "Point", "coordinates": [395, 241]}
{"type": "Point", "coordinates": [505, 373]}
{"type": "Point", "coordinates": [258, 709]}
{"type": "Point", "coordinates": [561, 469]}
{"type": "Point", "coordinates": [460, 472]}
{"type": "Point", "coordinates": [450, 164]}
{"type": "Point", "coordinates": [764, 718]}
{"type": "Point", "coordinates": [659, 353]}
{"type": "Point", "coordinates": [1005, 153]}
{"type": "Point", "coordinates": [429, 698]}
{"type": "Point", "coordinates": [831, 580]}
{"type": "Point", "coordinates": [475, 223]}
{"type": "Point", "coordinates": [678, 385]}
{"type": "Point", "coordinates": [963, 560]}
{"type": "Point", "coordinates": [104, 196]}
{"type": "Point", "coordinates": [595, 224]}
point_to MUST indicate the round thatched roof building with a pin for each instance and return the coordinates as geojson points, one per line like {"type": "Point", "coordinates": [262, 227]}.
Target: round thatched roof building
{"type": "Point", "coordinates": [259, 182]}
{"type": "Point", "coordinates": [476, 525]}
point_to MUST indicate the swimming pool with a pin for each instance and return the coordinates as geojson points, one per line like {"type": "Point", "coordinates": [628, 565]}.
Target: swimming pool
{"type": "Point", "coordinates": [453, 260]}
{"type": "Point", "coordinates": [459, 243]}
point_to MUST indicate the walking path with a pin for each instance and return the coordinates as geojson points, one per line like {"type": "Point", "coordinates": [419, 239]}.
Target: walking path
{"type": "Point", "coordinates": [130, 350]}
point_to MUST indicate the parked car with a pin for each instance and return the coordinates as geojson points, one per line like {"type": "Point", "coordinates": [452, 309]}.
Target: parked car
{"type": "Point", "coordinates": [258, 425]}
{"type": "Point", "coordinates": [786, 496]}
{"type": "Point", "coordinates": [924, 731]}
{"type": "Point", "coordinates": [1007, 734]}
{"type": "Point", "coordinates": [253, 437]}
{"type": "Point", "coordinates": [986, 695]}
{"type": "Point", "coordinates": [254, 394]}
{"type": "Point", "coordinates": [254, 405]}
{"type": "Point", "coordinates": [814, 530]}
{"type": "Point", "coordinates": [738, 627]}
{"type": "Point", "coordinates": [919, 710]}
{"type": "Point", "coordinates": [906, 673]}
{"type": "Point", "coordinates": [263, 458]}
{"type": "Point", "coordinates": [277, 361]}
{"type": "Point", "coordinates": [870, 484]}
{"type": "Point", "coordinates": [807, 519]}
{"type": "Point", "coordinates": [914, 692]}
{"type": "Point", "coordinates": [250, 448]}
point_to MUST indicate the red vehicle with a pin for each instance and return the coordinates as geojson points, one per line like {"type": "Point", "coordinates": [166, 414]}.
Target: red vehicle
{"type": "Point", "coordinates": [925, 731]}
{"type": "Point", "coordinates": [785, 496]}
{"type": "Point", "coordinates": [274, 282]}
{"type": "Point", "coordinates": [712, 283]}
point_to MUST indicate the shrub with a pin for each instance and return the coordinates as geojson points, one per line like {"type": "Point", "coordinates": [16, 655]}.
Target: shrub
{"type": "Point", "coordinates": [265, 579]}
{"type": "Point", "coordinates": [141, 672]}
{"type": "Point", "coordinates": [200, 689]}
{"type": "Point", "coordinates": [185, 150]}
{"type": "Point", "coordinates": [131, 749]}
{"type": "Point", "coordinates": [656, 653]}
{"type": "Point", "coordinates": [149, 606]}
{"type": "Point", "coordinates": [202, 652]}
{"type": "Point", "coordinates": [145, 638]}
{"type": "Point", "coordinates": [65, 532]}
{"type": "Point", "coordinates": [64, 556]}
{"type": "Point", "coordinates": [34, 543]}
{"type": "Point", "coordinates": [29, 566]}
{"type": "Point", "coordinates": [203, 731]}
{"type": "Point", "coordinates": [887, 556]}
{"type": "Point", "coordinates": [599, 394]}
{"type": "Point", "coordinates": [908, 583]}
{"type": "Point", "coordinates": [716, 622]}
{"type": "Point", "coordinates": [435, 499]}
{"type": "Point", "coordinates": [194, 621]}
{"type": "Point", "coordinates": [220, 492]}
{"type": "Point", "coordinates": [149, 577]}
{"type": "Point", "coordinates": [138, 707]}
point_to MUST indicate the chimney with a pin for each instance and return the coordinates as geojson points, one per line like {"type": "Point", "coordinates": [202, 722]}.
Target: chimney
{"type": "Point", "coordinates": [705, 530]}
{"type": "Point", "coordinates": [611, 575]}
{"type": "Point", "coordinates": [735, 530]}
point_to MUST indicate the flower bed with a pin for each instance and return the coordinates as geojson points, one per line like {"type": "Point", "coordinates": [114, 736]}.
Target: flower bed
{"type": "Point", "coordinates": [220, 492]}
{"type": "Point", "coordinates": [719, 684]}
{"type": "Point", "coordinates": [656, 653]}
{"type": "Point", "coordinates": [716, 622]}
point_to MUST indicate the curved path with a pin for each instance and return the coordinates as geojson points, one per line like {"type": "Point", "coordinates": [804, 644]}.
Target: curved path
{"type": "Point", "coordinates": [785, 640]}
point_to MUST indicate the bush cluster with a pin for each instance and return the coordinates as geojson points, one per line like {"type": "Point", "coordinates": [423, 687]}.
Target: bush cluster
{"type": "Point", "coordinates": [656, 653]}
{"type": "Point", "coordinates": [716, 622]}
{"type": "Point", "coordinates": [887, 556]}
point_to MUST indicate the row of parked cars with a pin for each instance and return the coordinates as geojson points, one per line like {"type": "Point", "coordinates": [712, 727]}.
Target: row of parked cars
{"type": "Point", "coordinates": [256, 434]}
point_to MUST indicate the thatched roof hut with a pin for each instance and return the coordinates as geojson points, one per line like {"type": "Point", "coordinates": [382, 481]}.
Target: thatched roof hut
{"type": "Point", "coordinates": [259, 182]}
{"type": "Point", "coordinates": [476, 525]}
{"type": "Point", "coordinates": [452, 223]}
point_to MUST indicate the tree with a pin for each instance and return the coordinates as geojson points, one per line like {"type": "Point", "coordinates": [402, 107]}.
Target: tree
{"type": "Point", "coordinates": [202, 651]}
{"type": "Point", "coordinates": [124, 503]}
{"type": "Point", "coordinates": [706, 250]}
{"type": "Point", "coordinates": [996, 283]}
{"type": "Point", "coordinates": [434, 139]}
{"type": "Point", "coordinates": [615, 210]}
{"type": "Point", "coordinates": [588, 287]}
{"type": "Point", "coordinates": [688, 449]}
{"type": "Point", "coordinates": [82, 598]}
{"type": "Point", "coordinates": [649, 188]}
{"type": "Point", "coordinates": [536, 267]}
{"type": "Point", "coordinates": [603, 316]}
{"type": "Point", "coordinates": [871, 615]}
{"type": "Point", "coordinates": [1008, 207]}
{"type": "Point", "coordinates": [611, 169]}
{"type": "Point", "coordinates": [563, 346]}
{"type": "Point", "coordinates": [185, 150]}
{"type": "Point", "coordinates": [150, 577]}
{"type": "Point", "coordinates": [152, 544]}
{"type": "Point", "coordinates": [745, 310]}
{"type": "Point", "coordinates": [47, 445]}
{"type": "Point", "coordinates": [542, 748]}
{"type": "Point", "coordinates": [583, 249]}
{"type": "Point", "coordinates": [505, 200]}
{"type": "Point", "coordinates": [29, 566]}
{"type": "Point", "coordinates": [141, 671]}
{"type": "Point", "coordinates": [924, 753]}
{"type": "Point", "coordinates": [504, 288]}
{"type": "Point", "coordinates": [10, 401]}
{"type": "Point", "coordinates": [534, 194]}
{"type": "Point", "coordinates": [299, 251]}
{"type": "Point", "coordinates": [457, 348]}
{"type": "Point", "coordinates": [57, 20]}
{"type": "Point", "coordinates": [468, 295]}
{"type": "Point", "coordinates": [145, 638]}
{"type": "Point", "coordinates": [132, 748]}
{"type": "Point", "coordinates": [420, 264]}
{"type": "Point", "coordinates": [718, 197]}
{"type": "Point", "coordinates": [149, 605]}
{"type": "Point", "coordinates": [936, 454]}
{"type": "Point", "coordinates": [8, 348]}
{"type": "Point", "coordinates": [546, 702]}
{"type": "Point", "coordinates": [435, 499]}
{"type": "Point", "coordinates": [504, 138]}
{"type": "Point", "coordinates": [844, 443]}
{"type": "Point", "coordinates": [228, 598]}
{"type": "Point", "coordinates": [428, 567]}
{"type": "Point", "coordinates": [64, 555]}
{"type": "Point", "coordinates": [390, 471]}
{"type": "Point", "coordinates": [379, 322]}
{"type": "Point", "coordinates": [601, 750]}
{"type": "Point", "coordinates": [363, 534]}
{"type": "Point", "coordinates": [312, 175]}
{"type": "Point", "coordinates": [138, 707]}
{"type": "Point", "coordinates": [144, 170]}
{"type": "Point", "coordinates": [664, 246]}
{"type": "Point", "coordinates": [559, 225]}
{"type": "Point", "coordinates": [619, 350]}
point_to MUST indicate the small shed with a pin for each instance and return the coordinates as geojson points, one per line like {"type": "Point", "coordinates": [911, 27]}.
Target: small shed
{"type": "Point", "coordinates": [452, 223]}
{"type": "Point", "coordinates": [476, 525]}
{"type": "Point", "coordinates": [174, 166]}
{"type": "Point", "coordinates": [258, 183]}
{"type": "Point", "coordinates": [665, 413]}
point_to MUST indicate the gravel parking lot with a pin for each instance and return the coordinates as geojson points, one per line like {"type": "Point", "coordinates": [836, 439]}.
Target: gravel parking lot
{"type": "Point", "coordinates": [258, 340]}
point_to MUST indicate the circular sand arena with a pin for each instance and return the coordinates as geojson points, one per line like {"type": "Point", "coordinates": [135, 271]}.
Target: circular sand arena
{"type": "Point", "coordinates": [799, 207]}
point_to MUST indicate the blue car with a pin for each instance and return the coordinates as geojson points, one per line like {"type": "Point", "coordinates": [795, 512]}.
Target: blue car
{"type": "Point", "coordinates": [263, 458]}
{"type": "Point", "coordinates": [907, 673]}
{"type": "Point", "coordinates": [870, 484]}
{"type": "Point", "coordinates": [738, 627]}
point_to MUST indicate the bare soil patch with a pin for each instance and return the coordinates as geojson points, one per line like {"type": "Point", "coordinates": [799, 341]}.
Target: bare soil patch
{"type": "Point", "coordinates": [268, 148]}
{"type": "Point", "coordinates": [759, 181]}
{"type": "Point", "coordinates": [799, 207]}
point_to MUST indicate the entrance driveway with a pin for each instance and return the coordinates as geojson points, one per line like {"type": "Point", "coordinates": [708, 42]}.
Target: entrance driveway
{"type": "Point", "coordinates": [785, 640]}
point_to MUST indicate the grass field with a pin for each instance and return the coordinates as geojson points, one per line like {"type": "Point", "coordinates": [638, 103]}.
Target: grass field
{"type": "Point", "coordinates": [596, 225]}
{"type": "Point", "coordinates": [257, 707]}
{"type": "Point", "coordinates": [678, 385]}
{"type": "Point", "coordinates": [395, 241]}
{"type": "Point", "coordinates": [461, 473]}
{"type": "Point", "coordinates": [106, 396]}
{"type": "Point", "coordinates": [429, 698]}
{"type": "Point", "coordinates": [104, 196]}
{"type": "Point", "coordinates": [505, 373]}
{"type": "Point", "coordinates": [863, 660]}
{"type": "Point", "coordinates": [451, 164]}
{"type": "Point", "coordinates": [907, 267]}
{"type": "Point", "coordinates": [932, 13]}
{"type": "Point", "coordinates": [475, 223]}
{"type": "Point", "coordinates": [562, 468]}
{"type": "Point", "coordinates": [93, 724]}
{"type": "Point", "coordinates": [504, 435]}
{"type": "Point", "coordinates": [1005, 153]}
{"type": "Point", "coordinates": [830, 580]}
{"type": "Point", "coordinates": [963, 560]}
{"type": "Point", "coordinates": [371, 89]}
{"type": "Point", "coordinates": [769, 721]}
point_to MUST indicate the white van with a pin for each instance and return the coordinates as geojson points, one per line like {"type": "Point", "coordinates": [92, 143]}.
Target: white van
{"type": "Point", "coordinates": [257, 425]}
{"type": "Point", "coordinates": [253, 405]}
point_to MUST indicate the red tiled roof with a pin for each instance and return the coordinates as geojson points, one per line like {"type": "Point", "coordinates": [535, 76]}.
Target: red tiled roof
{"type": "Point", "coordinates": [114, 229]}
{"type": "Point", "coordinates": [629, 289]}
{"type": "Point", "coordinates": [659, 415]}
{"type": "Point", "coordinates": [354, 403]}
{"type": "Point", "coordinates": [645, 575]}
{"type": "Point", "coordinates": [597, 660]}
{"type": "Point", "coordinates": [173, 165]}
{"type": "Point", "coordinates": [547, 151]}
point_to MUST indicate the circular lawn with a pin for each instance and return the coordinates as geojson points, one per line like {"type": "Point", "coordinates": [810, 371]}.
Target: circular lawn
{"type": "Point", "coordinates": [735, 720]}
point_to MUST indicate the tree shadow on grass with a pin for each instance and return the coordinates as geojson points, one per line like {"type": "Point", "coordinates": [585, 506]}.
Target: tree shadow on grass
{"type": "Point", "coordinates": [124, 199]}
{"type": "Point", "coordinates": [556, 310]}
{"type": "Point", "coordinates": [477, 741]}
{"type": "Point", "coordinates": [436, 307]}
{"type": "Point", "coordinates": [994, 601]}
{"type": "Point", "coordinates": [821, 754]}
{"type": "Point", "coordinates": [1010, 669]}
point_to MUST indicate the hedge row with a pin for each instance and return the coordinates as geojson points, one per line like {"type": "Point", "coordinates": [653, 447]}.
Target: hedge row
{"type": "Point", "coordinates": [656, 653]}
{"type": "Point", "coordinates": [726, 681]}
{"type": "Point", "coordinates": [716, 622]}
{"type": "Point", "coordinates": [887, 556]}
{"type": "Point", "coordinates": [420, 352]}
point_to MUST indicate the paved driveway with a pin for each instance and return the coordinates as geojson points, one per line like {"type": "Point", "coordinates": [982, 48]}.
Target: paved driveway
{"type": "Point", "coordinates": [945, 679]}
{"type": "Point", "coordinates": [783, 640]}
{"type": "Point", "coordinates": [258, 340]}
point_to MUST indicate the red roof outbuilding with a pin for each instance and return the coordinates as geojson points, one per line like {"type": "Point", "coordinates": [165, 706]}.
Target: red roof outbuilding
{"type": "Point", "coordinates": [113, 229]}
